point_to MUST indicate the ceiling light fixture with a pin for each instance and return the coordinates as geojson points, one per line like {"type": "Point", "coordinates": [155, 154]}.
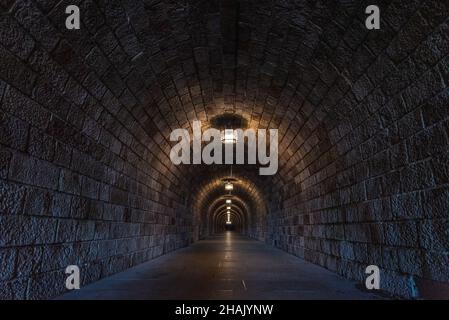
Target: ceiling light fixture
{"type": "Point", "coordinates": [229, 186]}
{"type": "Point", "coordinates": [228, 136]}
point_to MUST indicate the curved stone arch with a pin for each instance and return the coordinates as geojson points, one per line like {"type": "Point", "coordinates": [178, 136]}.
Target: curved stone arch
{"type": "Point", "coordinates": [219, 212]}
{"type": "Point", "coordinates": [220, 222]}
{"type": "Point", "coordinates": [250, 195]}
{"type": "Point", "coordinates": [236, 209]}
{"type": "Point", "coordinates": [220, 202]}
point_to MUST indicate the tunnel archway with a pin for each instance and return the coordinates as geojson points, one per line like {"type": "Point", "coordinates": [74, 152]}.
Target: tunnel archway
{"type": "Point", "coordinates": [248, 201]}
{"type": "Point", "coordinates": [86, 116]}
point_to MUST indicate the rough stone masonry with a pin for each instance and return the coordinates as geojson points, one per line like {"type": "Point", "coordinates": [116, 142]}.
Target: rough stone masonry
{"type": "Point", "coordinates": [86, 115]}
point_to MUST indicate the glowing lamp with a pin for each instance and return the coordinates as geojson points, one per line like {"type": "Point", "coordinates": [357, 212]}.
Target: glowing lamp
{"type": "Point", "coordinates": [228, 136]}
{"type": "Point", "coordinates": [229, 186]}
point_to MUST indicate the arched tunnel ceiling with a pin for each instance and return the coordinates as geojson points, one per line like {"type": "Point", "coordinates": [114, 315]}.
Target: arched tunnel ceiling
{"type": "Point", "coordinates": [303, 67]}
{"type": "Point", "coordinates": [177, 61]}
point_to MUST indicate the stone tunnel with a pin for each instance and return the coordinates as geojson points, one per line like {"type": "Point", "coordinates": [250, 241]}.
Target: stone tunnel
{"type": "Point", "coordinates": [362, 117]}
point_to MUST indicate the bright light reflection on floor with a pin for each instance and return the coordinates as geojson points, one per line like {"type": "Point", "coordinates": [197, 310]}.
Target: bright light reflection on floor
{"type": "Point", "coordinates": [228, 240]}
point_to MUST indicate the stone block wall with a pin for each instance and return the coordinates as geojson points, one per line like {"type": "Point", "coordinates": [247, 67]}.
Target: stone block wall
{"type": "Point", "coordinates": [370, 184]}
{"type": "Point", "coordinates": [81, 181]}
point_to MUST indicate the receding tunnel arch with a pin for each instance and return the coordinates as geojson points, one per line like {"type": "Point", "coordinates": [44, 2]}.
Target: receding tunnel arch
{"type": "Point", "coordinates": [234, 210]}
{"type": "Point", "coordinates": [218, 214]}
{"type": "Point", "coordinates": [221, 223]}
{"type": "Point", "coordinates": [247, 198]}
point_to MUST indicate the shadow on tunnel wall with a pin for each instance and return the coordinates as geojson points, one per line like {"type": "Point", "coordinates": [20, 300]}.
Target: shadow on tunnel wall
{"type": "Point", "coordinates": [86, 116]}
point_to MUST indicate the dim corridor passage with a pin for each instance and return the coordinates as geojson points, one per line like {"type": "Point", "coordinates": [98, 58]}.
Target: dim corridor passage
{"type": "Point", "coordinates": [224, 266]}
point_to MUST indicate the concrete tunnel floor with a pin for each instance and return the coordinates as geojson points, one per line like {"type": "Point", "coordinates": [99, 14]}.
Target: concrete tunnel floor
{"type": "Point", "coordinates": [225, 266]}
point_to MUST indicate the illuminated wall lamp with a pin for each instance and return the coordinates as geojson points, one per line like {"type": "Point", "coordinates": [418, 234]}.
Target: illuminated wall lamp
{"type": "Point", "coordinates": [229, 201]}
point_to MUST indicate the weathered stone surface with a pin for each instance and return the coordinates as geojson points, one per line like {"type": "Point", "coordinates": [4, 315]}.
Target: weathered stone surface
{"type": "Point", "coordinates": [398, 284]}
{"type": "Point", "coordinates": [401, 234]}
{"type": "Point", "coordinates": [12, 198]}
{"type": "Point", "coordinates": [14, 290]}
{"type": "Point", "coordinates": [15, 72]}
{"type": "Point", "coordinates": [24, 108]}
{"type": "Point", "coordinates": [7, 263]}
{"type": "Point", "coordinates": [434, 234]}
{"type": "Point", "coordinates": [46, 285]}
{"type": "Point", "coordinates": [29, 261]}
{"type": "Point", "coordinates": [13, 132]}
{"type": "Point", "coordinates": [435, 266]}
{"type": "Point", "coordinates": [32, 171]}
{"type": "Point", "coordinates": [15, 38]}
{"type": "Point", "coordinates": [411, 261]}
{"type": "Point", "coordinates": [25, 230]}
{"type": "Point", "coordinates": [32, 19]}
{"type": "Point", "coordinates": [57, 256]}
{"type": "Point", "coordinates": [5, 157]}
{"type": "Point", "coordinates": [38, 202]}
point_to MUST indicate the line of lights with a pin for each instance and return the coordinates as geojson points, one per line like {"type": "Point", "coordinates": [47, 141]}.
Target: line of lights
{"type": "Point", "coordinates": [229, 186]}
